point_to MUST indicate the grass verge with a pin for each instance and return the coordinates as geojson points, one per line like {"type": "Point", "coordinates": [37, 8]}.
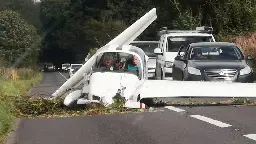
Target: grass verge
{"type": "Point", "coordinates": [10, 90]}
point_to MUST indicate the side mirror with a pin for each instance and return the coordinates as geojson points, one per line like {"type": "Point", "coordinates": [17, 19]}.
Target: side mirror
{"type": "Point", "coordinates": [158, 51]}
{"type": "Point", "coordinates": [249, 57]}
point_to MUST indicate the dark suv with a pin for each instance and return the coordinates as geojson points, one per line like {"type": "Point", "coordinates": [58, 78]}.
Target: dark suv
{"type": "Point", "coordinates": [212, 61]}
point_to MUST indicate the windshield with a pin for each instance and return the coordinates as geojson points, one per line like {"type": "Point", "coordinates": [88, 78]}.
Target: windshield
{"type": "Point", "coordinates": [148, 48]}
{"type": "Point", "coordinates": [76, 66]}
{"type": "Point", "coordinates": [215, 53]}
{"type": "Point", "coordinates": [65, 65]}
{"type": "Point", "coordinates": [174, 43]}
{"type": "Point", "coordinates": [49, 65]}
{"type": "Point", "coordinates": [118, 62]}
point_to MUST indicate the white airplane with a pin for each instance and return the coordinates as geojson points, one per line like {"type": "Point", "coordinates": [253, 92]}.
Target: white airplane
{"type": "Point", "coordinates": [135, 86]}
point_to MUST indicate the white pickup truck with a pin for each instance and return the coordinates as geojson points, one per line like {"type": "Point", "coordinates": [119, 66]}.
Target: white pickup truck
{"type": "Point", "coordinates": [172, 40]}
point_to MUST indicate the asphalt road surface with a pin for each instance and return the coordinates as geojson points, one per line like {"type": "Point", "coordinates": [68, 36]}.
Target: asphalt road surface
{"type": "Point", "coordinates": [51, 81]}
{"type": "Point", "coordinates": [175, 125]}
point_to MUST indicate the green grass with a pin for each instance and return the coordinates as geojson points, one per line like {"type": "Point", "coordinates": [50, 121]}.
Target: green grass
{"type": "Point", "coordinates": [9, 91]}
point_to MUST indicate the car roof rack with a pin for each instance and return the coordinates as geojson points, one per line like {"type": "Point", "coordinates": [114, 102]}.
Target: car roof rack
{"type": "Point", "coordinates": [203, 29]}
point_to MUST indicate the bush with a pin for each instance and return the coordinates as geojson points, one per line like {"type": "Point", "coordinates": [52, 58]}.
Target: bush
{"type": "Point", "coordinates": [17, 74]}
{"type": "Point", "coordinates": [11, 90]}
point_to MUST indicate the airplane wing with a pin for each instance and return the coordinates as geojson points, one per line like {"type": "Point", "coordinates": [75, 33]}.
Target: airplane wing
{"type": "Point", "coordinates": [168, 88]}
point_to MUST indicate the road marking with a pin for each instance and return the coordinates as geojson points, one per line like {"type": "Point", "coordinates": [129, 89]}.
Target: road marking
{"type": "Point", "coordinates": [174, 109]}
{"type": "Point", "coordinates": [63, 76]}
{"type": "Point", "coordinates": [251, 136]}
{"type": "Point", "coordinates": [211, 121]}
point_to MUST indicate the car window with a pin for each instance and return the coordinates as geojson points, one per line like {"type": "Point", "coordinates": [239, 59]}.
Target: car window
{"type": "Point", "coordinates": [175, 42]}
{"type": "Point", "coordinates": [148, 48]}
{"type": "Point", "coordinates": [76, 66]}
{"type": "Point", "coordinates": [215, 53]}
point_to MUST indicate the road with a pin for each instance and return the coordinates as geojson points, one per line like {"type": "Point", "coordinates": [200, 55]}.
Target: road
{"type": "Point", "coordinates": [175, 125]}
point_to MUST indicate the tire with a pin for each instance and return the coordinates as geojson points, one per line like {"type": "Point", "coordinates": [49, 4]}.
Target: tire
{"type": "Point", "coordinates": [183, 77]}
{"type": "Point", "coordinates": [162, 76]}
{"type": "Point", "coordinates": [148, 101]}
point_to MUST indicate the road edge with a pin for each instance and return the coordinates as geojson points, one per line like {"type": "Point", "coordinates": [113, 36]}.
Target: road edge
{"type": "Point", "coordinates": [12, 137]}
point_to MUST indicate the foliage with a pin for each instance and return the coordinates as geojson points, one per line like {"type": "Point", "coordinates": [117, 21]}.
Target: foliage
{"type": "Point", "coordinates": [17, 74]}
{"type": "Point", "coordinates": [17, 38]}
{"type": "Point", "coordinates": [9, 92]}
{"type": "Point", "coordinates": [185, 19]}
{"type": "Point", "coordinates": [92, 51]}
{"type": "Point", "coordinates": [26, 8]}
{"type": "Point", "coordinates": [84, 24]}
{"type": "Point", "coordinates": [100, 33]}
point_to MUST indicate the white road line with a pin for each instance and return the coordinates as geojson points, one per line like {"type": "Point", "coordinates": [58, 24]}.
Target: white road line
{"type": "Point", "coordinates": [63, 76]}
{"type": "Point", "coordinates": [174, 109]}
{"type": "Point", "coordinates": [251, 136]}
{"type": "Point", "coordinates": [211, 121]}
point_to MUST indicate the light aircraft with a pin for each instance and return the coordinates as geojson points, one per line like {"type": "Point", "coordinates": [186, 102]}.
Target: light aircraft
{"type": "Point", "coordinates": [105, 84]}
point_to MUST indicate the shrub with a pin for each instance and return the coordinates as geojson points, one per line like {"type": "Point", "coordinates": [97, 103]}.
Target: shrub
{"type": "Point", "coordinates": [17, 74]}
{"type": "Point", "coordinates": [246, 42]}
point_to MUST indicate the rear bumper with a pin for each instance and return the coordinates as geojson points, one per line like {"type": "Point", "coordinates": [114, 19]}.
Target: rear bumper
{"type": "Point", "coordinates": [242, 79]}
{"type": "Point", "coordinates": [151, 72]}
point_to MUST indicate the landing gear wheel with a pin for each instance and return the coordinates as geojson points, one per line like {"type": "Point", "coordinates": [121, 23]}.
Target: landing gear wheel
{"type": "Point", "coordinates": [148, 101]}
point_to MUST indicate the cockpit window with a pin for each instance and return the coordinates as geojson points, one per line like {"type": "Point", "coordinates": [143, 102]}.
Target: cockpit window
{"type": "Point", "coordinates": [118, 62]}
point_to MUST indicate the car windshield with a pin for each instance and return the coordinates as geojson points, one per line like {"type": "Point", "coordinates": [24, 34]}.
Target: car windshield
{"type": "Point", "coordinates": [118, 62]}
{"type": "Point", "coordinates": [175, 42]}
{"type": "Point", "coordinates": [215, 53]}
{"type": "Point", "coordinates": [65, 65]}
{"type": "Point", "coordinates": [148, 48]}
{"type": "Point", "coordinates": [76, 66]}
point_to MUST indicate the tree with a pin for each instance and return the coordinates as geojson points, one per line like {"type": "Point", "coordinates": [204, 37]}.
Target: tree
{"type": "Point", "coordinates": [99, 33]}
{"type": "Point", "coordinates": [27, 9]}
{"type": "Point", "coordinates": [17, 38]}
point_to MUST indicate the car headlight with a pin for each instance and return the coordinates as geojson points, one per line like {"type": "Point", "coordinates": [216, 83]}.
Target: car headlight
{"type": "Point", "coordinates": [168, 64]}
{"type": "Point", "coordinates": [194, 71]}
{"type": "Point", "coordinates": [245, 71]}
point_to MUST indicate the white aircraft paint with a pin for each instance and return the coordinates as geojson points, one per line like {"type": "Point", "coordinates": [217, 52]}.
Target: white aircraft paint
{"type": "Point", "coordinates": [167, 88]}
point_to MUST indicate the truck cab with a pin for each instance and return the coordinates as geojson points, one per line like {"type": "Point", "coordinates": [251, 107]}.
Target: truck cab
{"type": "Point", "coordinates": [171, 41]}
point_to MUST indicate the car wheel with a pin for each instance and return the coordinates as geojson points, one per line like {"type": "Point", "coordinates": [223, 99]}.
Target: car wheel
{"type": "Point", "coordinates": [162, 75]}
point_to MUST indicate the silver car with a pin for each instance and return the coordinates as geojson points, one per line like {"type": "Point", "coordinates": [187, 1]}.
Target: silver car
{"type": "Point", "coordinates": [74, 68]}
